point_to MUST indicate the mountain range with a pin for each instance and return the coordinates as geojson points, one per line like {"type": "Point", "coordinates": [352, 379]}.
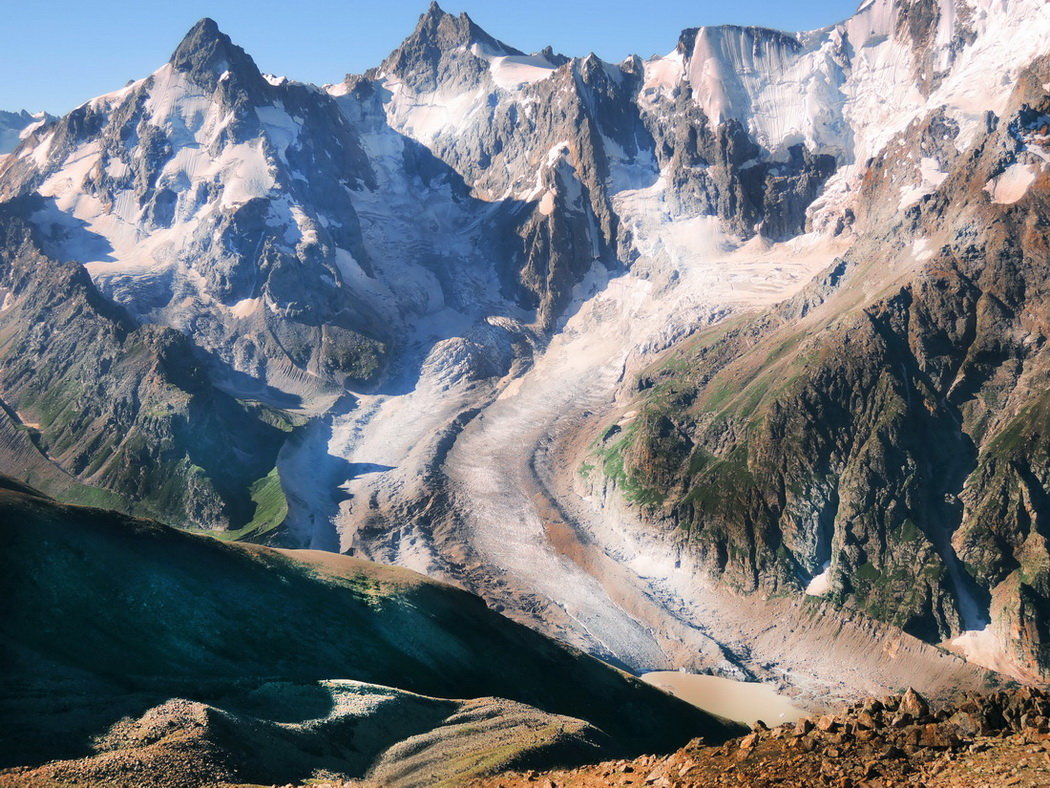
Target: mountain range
{"type": "Point", "coordinates": [730, 360]}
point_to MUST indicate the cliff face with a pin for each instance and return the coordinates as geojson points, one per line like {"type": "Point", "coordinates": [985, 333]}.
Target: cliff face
{"type": "Point", "coordinates": [885, 428]}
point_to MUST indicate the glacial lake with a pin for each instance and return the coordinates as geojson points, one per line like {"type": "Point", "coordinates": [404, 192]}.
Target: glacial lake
{"type": "Point", "coordinates": [743, 701]}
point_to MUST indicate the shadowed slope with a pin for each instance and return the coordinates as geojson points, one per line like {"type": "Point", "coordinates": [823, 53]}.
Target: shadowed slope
{"type": "Point", "coordinates": [152, 610]}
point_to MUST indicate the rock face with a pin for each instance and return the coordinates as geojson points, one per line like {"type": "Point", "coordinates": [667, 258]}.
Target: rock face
{"type": "Point", "coordinates": [886, 420]}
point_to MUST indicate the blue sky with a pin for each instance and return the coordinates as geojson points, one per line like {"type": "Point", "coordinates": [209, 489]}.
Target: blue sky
{"type": "Point", "coordinates": [55, 55]}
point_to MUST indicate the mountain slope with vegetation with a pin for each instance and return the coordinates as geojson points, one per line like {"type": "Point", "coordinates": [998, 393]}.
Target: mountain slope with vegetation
{"type": "Point", "coordinates": [887, 425]}
{"type": "Point", "coordinates": [273, 664]}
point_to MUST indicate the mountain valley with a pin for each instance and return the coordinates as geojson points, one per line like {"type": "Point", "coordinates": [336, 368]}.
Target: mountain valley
{"type": "Point", "coordinates": [726, 361]}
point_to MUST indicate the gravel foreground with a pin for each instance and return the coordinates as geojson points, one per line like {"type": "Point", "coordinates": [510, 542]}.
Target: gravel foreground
{"type": "Point", "coordinates": [988, 741]}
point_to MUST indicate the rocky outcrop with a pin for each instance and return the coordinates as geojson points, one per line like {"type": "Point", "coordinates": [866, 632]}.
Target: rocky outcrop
{"type": "Point", "coordinates": [897, 740]}
{"type": "Point", "coordinates": [438, 54]}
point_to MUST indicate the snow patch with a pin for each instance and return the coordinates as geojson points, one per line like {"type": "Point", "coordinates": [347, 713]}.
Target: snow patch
{"type": "Point", "coordinates": [821, 583]}
{"type": "Point", "coordinates": [510, 72]}
{"type": "Point", "coordinates": [931, 176]}
{"type": "Point", "coordinates": [280, 127]}
{"type": "Point", "coordinates": [1012, 184]}
{"type": "Point", "coordinates": [546, 206]}
{"type": "Point", "coordinates": [426, 116]}
{"type": "Point", "coordinates": [117, 168]}
{"type": "Point", "coordinates": [663, 73]}
{"type": "Point", "coordinates": [923, 249]}
{"type": "Point", "coordinates": [983, 647]}
{"type": "Point", "coordinates": [246, 307]}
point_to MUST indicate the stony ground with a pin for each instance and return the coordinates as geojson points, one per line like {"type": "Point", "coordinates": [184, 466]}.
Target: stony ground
{"type": "Point", "coordinates": [990, 741]}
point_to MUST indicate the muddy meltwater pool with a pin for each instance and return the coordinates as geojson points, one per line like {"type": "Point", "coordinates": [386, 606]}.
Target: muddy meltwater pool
{"type": "Point", "coordinates": [743, 701]}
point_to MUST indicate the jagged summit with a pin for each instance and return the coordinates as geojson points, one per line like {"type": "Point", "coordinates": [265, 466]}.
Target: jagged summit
{"type": "Point", "coordinates": [456, 29]}
{"type": "Point", "coordinates": [442, 49]}
{"type": "Point", "coordinates": [555, 58]}
{"type": "Point", "coordinates": [207, 56]}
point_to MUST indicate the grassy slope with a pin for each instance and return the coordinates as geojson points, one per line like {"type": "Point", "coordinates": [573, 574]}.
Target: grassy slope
{"type": "Point", "coordinates": [136, 602]}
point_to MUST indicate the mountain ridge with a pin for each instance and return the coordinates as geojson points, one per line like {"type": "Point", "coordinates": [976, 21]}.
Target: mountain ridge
{"type": "Point", "coordinates": [235, 649]}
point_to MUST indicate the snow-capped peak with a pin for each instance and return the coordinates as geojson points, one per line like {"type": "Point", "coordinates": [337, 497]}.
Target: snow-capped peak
{"type": "Point", "coordinates": [16, 126]}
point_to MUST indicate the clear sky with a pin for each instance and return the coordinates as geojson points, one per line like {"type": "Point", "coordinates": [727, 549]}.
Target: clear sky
{"type": "Point", "coordinates": [57, 54]}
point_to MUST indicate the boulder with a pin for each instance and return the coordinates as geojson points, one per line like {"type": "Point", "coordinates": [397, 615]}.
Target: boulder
{"type": "Point", "coordinates": [914, 704]}
{"type": "Point", "coordinates": [967, 725]}
{"type": "Point", "coordinates": [827, 723]}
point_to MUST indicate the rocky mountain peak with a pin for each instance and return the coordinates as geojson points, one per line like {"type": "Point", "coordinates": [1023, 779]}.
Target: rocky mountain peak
{"type": "Point", "coordinates": [15, 125]}
{"type": "Point", "coordinates": [448, 31]}
{"type": "Point", "coordinates": [209, 57]}
{"type": "Point", "coordinates": [443, 50]}
{"type": "Point", "coordinates": [555, 58]}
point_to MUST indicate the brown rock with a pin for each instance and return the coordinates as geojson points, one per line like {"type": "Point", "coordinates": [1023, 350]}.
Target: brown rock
{"type": "Point", "coordinates": [871, 705]}
{"type": "Point", "coordinates": [1035, 721]}
{"type": "Point", "coordinates": [827, 723]}
{"type": "Point", "coordinates": [749, 742]}
{"type": "Point", "coordinates": [914, 704]}
{"type": "Point", "coordinates": [938, 736]}
{"type": "Point", "coordinates": [658, 778]}
{"type": "Point", "coordinates": [966, 724]}
{"type": "Point", "coordinates": [910, 735]}
{"type": "Point", "coordinates": [868, 720]}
